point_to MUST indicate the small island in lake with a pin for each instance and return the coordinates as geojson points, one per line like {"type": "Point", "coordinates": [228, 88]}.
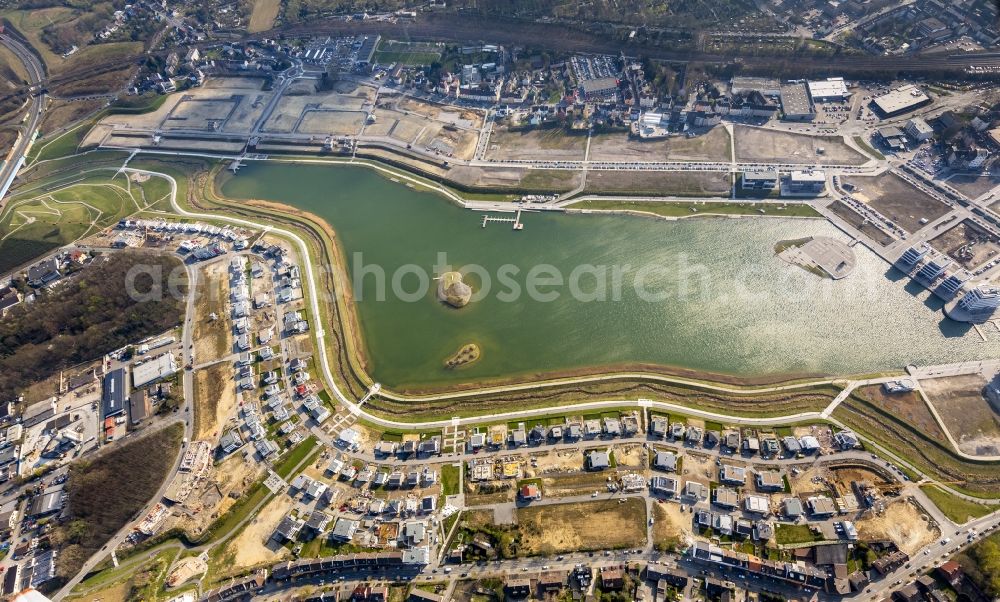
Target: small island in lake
{"type": "Point", "coordinates": [453, 291]}
{"type": "Point", "coordinates": [466, 355]}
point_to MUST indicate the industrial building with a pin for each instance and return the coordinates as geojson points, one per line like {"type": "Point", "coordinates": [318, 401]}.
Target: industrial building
{"type": "Point", "coordinates": [367, 50]}
{"type": "Point", "coordinates": [901, 100]}
{"type": "Point", "coordinates": [139, 408]}
{"type": "Point", "coordinates": [114, 393]}
{"type": "Point", "coordinates": [795, 103]}
{"type": "Point", "coordinates": [833, 89]}
{"type": "Point", "coordinates": [154, 369]}
{"type": "Point", "coordinates": [48, 502]}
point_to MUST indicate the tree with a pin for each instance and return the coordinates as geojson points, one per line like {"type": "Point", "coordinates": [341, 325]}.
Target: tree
{"type": "Point", "coordinates": [987, 557]}
{"type": "Point", "coordinates": [90, 315]}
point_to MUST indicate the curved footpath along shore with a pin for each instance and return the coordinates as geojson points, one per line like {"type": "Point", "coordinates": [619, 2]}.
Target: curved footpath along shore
{"type": "Point", "coordinates": [319, 333]}
{"type": "Point", "coordinates": [381, 422]}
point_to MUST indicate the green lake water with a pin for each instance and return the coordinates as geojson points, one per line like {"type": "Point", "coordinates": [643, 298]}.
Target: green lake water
{"type": "Point", "coordinates": [718, 301]}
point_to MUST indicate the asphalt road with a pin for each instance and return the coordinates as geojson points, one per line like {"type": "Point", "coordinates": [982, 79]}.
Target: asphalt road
{"type": "Point", "coordinates": [36, 73]}
{"type": "Point", "coordinates": [188, 416]}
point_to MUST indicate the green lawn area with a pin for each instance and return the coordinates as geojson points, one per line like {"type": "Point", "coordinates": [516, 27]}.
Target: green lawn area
{"type": "Point", "coordinates": [793, 534]}
{"type": "Point", "coordinates": [686, 209]}
{"type": "Point", "coordinates": [61, 146]}
{"type": "Point", "coordinates": [406, 58]}
{"type": "Point", "coordinates": [450, 475]}
{"type": "Point", "coordinates": [160, 561]}
{"type": "Point", "coordinates": [957, 509]}
{"type": "Point", "coordinates": [868, 148]}
{"type": "Point", "coordinates": [293, 457]}
{"type": "Point", "coordinates": [407, 53]}
{"type": "Point", "coordinates": [37, 221]}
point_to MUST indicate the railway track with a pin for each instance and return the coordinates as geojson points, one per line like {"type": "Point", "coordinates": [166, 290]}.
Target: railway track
{"type": "Point", "coordinates": [457, 28]}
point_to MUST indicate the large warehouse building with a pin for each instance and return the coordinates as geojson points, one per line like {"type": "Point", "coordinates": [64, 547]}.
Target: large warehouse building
{"type": "Point", "coordinates": [154, 369]}
{"type": "Point", "coordinates": [833, 89]}
{"type": "Point", "coordinates": [901, 100]}
{"type": "Point", "coordinates": [114, 393]}
{"type": "Point", "coordinates": [795, 103]}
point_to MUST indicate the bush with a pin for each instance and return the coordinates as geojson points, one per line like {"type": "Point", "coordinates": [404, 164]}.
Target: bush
{"type": "Point", "coordinates": [987, 558]}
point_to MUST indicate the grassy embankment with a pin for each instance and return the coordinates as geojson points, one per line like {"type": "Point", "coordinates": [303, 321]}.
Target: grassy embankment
{"type": "Point", "coordinates": [957, 509]}
{"type": "Point", "coordinates": [928, 455]}
{"type": "Point", "coordinates": [142, 579]}
{"type": "Point", "coordinates": [66, 142]}
{"type": "Point", "coordinates": [691, 395]}
{"type": "Point", "coordinates": [868, 148]}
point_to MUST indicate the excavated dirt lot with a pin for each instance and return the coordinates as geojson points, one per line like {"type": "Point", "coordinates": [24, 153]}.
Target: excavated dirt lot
{"type": "Point", "coordinates": [214, 400]}
{"type": "Point", "coordinates": [600, 525]}
{"type": "Point", "coordinates": [903, 523]}
{"type": "Point", "coordinates": [185, 570]}
{"type": "Point", "coordinates": [759, 144]}
{"type": "Point", "coordinates": [670, 524]}
{"type": "Point", "coordinates": [896, 199]}
{"type": "Point", "coordinates": [969, 417]}
{"type": "Point", "coordinates": [710, 146]}
{"type": "Point", "coordinates": [544, 145]}
{"type": "Point", "coordinates": [967, 244]}
{"type": "Point", "coordinates": [254, 546]}
{"type": "Point", "coordinates": [213, 339]}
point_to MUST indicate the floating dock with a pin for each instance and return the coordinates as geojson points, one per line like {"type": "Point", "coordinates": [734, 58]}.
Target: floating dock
{"type": "Point", "coordinates": [516, 220]}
